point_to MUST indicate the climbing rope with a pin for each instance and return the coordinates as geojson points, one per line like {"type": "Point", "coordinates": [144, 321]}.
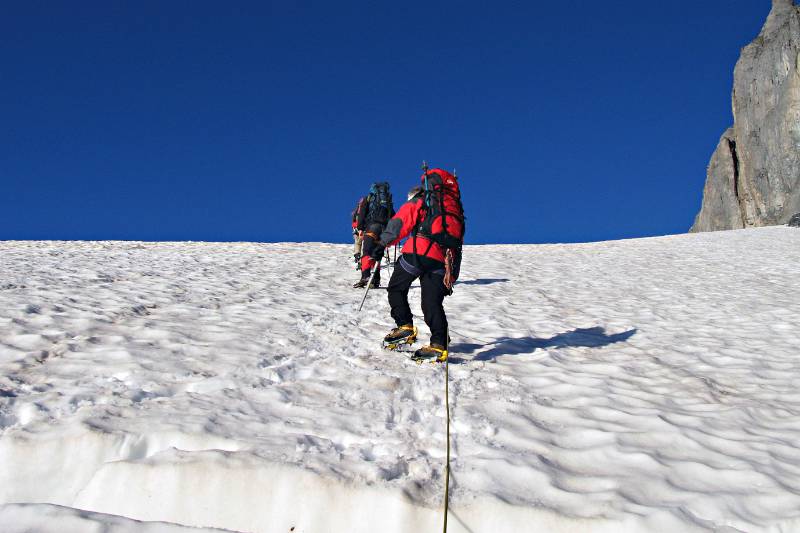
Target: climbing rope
{"type": "Point", "coordinates": [447, 407]}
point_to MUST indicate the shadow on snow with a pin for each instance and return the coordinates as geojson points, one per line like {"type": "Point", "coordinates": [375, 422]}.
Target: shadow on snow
{"type": "Point", "coordinates": [582, 337]}
{"type": "Point", "coordinates": [484, 281]}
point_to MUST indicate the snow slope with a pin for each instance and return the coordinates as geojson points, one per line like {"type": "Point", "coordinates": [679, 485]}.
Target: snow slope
{"type": "Point", "coordinates": [640, 385]}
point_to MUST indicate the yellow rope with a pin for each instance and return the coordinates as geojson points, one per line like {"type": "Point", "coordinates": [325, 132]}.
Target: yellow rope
{"type": "Point", "coordinates": [447, 406]}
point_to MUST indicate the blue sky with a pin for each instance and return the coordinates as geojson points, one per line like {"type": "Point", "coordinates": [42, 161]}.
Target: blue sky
{"type": "Point", "coordinates": [260, 121]}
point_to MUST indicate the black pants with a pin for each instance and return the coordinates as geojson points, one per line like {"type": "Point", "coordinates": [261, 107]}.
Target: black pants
{"type": "Point", "coordinates": [431, 281]}
{"type": "Point", "coordinates": [367, 247]}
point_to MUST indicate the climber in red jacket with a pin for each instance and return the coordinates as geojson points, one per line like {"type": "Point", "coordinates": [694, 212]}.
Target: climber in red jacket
{"type": "Point", "coordinates": [433, 219]}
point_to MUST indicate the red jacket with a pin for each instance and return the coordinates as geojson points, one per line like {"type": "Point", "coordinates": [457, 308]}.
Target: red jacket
{"type": "Point", "coordinates": [356, 211]}
{"type": "Point", "coordinates": [402, 224]}
{"type": "Point", "coordinates": [409, 216]}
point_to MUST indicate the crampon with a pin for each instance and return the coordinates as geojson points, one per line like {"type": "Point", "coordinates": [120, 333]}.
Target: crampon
{"type": "Point", "coordinates": [432, 354]}
{"type": "Point", "coordinates": [400, 339]}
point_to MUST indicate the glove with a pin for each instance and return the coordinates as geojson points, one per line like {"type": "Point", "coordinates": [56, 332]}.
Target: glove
{"type": "Point", "coordinates": [377, 252]}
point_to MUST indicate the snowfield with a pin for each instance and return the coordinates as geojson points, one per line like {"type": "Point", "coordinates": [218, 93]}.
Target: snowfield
{"type": "Point", "coordinates": [639, 385]}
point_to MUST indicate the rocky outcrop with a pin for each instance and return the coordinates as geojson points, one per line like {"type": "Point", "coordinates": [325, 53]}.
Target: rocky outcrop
{"type": "Point", "coordinates": [753, 178]}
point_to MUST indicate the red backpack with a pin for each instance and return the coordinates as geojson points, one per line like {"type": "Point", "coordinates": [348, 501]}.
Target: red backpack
{"type": "Point", "coordinates": [443, 215]}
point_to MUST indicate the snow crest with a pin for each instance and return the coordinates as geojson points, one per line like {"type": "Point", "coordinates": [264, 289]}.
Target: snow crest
{"type": "Point", "coordinates": [642, 385]}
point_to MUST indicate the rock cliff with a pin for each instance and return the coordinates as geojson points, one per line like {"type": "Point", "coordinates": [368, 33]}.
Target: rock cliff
{"type": "Point", "coordinates": [753, 178]}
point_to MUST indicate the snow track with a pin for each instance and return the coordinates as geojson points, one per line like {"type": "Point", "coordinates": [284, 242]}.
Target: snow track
{"type": "Point", "coordinates": [642, 385]}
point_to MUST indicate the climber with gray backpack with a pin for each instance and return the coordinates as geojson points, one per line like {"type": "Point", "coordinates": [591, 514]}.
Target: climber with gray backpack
{"type": "Point", "coordinates": [370, 221]}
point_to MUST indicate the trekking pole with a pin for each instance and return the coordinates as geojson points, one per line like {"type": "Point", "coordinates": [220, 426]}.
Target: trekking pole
{"type": "Point", "coordinates": [371, 279]}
